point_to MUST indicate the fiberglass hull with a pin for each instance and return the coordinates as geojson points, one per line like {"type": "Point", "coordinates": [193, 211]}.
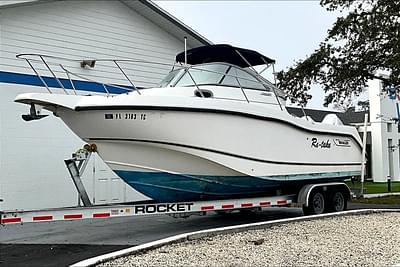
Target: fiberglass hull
{"type": "Point", "coordinates": [187, 154]}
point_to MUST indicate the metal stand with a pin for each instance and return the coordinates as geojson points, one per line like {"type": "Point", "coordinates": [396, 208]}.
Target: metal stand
{"type": "Point", "coordinates": [76, 171]}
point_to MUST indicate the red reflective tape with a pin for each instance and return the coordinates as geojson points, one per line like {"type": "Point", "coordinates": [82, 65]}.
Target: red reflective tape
{"type": "Point", "coordinates": [207, 208]}
{"type": "Point", "coordinates": [73, 216]}
{"type": "Point", "coordinates": [42, 218]}
{"type": "Point", "coordinates": [228, 206]}
{"type": "Point", "coordinates": [265, 203]}
{"type": "Point", "coordinates": [246, 205]}
{"type": "Point", "coordinates": [11, 220]}
{"type": "Point", "coordinates": [281, 202]}
{"type": "Point", "coordinates": [101, 215]}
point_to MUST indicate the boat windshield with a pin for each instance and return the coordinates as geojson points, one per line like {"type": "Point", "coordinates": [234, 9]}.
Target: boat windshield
{"type": "Point", "coordinates": [171, 78]}
{"type": "Point", "coordinates": [213, 74]}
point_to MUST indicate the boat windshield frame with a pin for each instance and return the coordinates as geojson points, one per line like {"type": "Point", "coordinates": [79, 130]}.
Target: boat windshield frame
{"type": "Point", "coordinates": [182, 70]}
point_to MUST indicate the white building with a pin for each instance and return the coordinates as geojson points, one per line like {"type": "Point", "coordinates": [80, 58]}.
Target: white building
{"type": "Point", "coordinates": [385, 136]}
{"type": "Point", "coordinates": [32, 171]}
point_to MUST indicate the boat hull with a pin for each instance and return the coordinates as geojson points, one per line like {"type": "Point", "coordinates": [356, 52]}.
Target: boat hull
{"type": "Point", "coordinates": [172, 155]}
{"type": "Point", "coordinates": [166, 187]}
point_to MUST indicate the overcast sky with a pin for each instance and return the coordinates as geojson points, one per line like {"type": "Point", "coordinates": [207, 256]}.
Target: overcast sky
{"type": "Point", "coordinates": [283, 30]}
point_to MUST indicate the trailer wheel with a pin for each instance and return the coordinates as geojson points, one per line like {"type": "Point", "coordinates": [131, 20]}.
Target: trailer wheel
{"type": "Point", "coordinates": [316, 204]}
{"type": "Point", "coordinates": [337, 202]}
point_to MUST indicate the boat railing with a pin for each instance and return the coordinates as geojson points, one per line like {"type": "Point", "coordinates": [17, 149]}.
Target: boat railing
{"type": "Point", "coordinates": [48, 63]}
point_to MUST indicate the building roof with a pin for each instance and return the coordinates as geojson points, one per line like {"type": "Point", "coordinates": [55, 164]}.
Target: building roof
{"type": "Point", "coordinates": [147, 9]}
{"type": "Point", "coordinates": [349, 117]}
{"type": "Point", "coordinates": [15, 2]}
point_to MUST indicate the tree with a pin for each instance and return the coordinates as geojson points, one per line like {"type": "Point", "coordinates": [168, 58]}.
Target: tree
{"type": "Point", "coordinates": [364, 105]}
{"type": "Point", "coordinates": [360, 43]}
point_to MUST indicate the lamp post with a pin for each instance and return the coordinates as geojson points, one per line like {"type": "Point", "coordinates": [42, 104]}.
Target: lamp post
{"type": "Point", "coordinates": [363, 153]}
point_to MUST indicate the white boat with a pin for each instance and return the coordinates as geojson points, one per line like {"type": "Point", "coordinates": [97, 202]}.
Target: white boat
{"type": "Point", "coordinates": [213, 129]}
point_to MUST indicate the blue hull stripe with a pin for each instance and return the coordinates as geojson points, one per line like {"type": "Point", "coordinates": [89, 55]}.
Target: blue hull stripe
{"type": "Point", "coordinates": [311, 176]}
{"type": "Point", "coordinates": [175, 187]}
{"type": "Point", "coordinates": [33, 80]}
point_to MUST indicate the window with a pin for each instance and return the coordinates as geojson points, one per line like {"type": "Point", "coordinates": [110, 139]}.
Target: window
{"type": "Point", "coordinates": [245, 79]}
{"type": "Point", "coordinates": [205, 74]}
{"type": "Point", "coordinates": [389, 127]}
{"type": "Point", "coordinates": [170, 79]}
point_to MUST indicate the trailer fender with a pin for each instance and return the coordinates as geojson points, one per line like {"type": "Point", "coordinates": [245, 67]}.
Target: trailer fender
{"type": "Point", "coordinates": [305, 191]}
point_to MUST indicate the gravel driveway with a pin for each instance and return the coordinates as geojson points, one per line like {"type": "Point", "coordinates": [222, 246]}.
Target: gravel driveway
{"type": "Point", "coordinates": [356, 240]}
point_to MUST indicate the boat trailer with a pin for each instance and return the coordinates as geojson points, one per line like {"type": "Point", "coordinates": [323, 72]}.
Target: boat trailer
{"type": "Point", "coordinates": [309, 198]}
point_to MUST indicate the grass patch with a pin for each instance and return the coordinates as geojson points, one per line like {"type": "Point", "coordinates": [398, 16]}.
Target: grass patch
{"type": "Point", "coordinates": [379, 200]}
{"type": "Point", "coordinates": [375, 188]}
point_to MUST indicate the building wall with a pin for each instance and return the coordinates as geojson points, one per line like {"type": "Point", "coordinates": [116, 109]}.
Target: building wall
{"type": "Point", "coordinates": [384, 133]}
{"type": "Point", "coordinates": [32, 171]}
{"type": "Point", "coordinates": [86, 29]}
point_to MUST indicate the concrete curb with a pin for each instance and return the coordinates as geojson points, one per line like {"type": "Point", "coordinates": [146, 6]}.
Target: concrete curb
{"type": "Point", "coordinates": [381, 195]}
{"type": "Point", "coordinates": [215, 231]}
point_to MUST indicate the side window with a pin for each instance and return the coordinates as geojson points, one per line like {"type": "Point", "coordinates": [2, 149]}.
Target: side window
{"type": "Point", "coordinates": [170, 78]}
{"type": "Point", "coordinates": [186, 80]}
{"type": "Point", "coordinates": [245, 79]}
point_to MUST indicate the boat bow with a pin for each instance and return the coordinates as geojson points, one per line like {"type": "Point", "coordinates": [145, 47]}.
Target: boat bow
{"type": "Point", "coordinates": [49, 101]}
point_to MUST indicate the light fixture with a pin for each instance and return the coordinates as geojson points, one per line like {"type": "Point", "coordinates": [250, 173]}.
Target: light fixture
{"type": "Point", "coordinates": [90, 63]}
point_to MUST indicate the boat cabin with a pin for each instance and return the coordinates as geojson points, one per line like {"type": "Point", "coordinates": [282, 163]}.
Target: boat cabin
{"type": "Point", "coordinates": [220, 70]}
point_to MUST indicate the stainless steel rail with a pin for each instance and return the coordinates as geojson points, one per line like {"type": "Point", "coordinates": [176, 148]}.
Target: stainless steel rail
{"type": "Point", "coordinates": [47, 61]}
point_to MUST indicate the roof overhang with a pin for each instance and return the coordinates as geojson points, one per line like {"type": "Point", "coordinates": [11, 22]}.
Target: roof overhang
{"type": "Point", "coordinates": [12, 3]}
{"type": "Point", "coordinates": [167, 22]}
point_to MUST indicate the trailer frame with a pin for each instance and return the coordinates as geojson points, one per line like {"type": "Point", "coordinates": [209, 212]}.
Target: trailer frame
{"type": "Point", "coordinates": [124, 210]}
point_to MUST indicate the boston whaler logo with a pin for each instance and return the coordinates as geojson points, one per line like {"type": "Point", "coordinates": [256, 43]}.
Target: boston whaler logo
{"type": "Point", "coordinates": [320, 144]}
{"type": "Point", "coordinates": [342, 142]}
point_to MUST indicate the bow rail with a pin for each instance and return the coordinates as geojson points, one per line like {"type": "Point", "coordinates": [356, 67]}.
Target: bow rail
{"type": "Point", "coordinates": [50, 62]}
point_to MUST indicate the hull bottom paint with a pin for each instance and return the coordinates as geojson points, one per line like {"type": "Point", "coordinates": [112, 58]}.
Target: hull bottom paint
{"type": "Point", "coordinates": [166, 187]}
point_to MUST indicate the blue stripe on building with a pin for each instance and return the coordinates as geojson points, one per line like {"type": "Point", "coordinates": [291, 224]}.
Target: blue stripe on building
{"type": "Point", "coordinates": [33, 80]}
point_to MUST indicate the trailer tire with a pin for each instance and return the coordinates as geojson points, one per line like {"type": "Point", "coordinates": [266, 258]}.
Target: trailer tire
{"type": "Point", "coordinates": [316, 204]}
{"type": "Point", "coordinates": [337, 202]}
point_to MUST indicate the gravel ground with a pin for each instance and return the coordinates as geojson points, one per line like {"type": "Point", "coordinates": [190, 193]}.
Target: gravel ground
{"type": "Point", "coordinates": [357, 240]}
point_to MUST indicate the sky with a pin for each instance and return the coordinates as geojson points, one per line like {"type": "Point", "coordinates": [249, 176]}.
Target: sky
{"type": "Point", "coordinates": [284, 30]}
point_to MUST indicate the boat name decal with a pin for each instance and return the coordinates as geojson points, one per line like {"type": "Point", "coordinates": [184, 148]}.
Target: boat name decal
{"type": "Point", "coordinates": [320, 144]}
{"type": "Point", "coordinates": [125, 116]}
{"type": "Point", "coordinates": [162, 208]}
{"type": "Point", "coordinates": [342, 142]}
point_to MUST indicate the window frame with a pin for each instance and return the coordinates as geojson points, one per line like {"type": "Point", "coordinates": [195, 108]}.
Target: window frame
{"type": "Point", "coordinates": [264, 82]}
